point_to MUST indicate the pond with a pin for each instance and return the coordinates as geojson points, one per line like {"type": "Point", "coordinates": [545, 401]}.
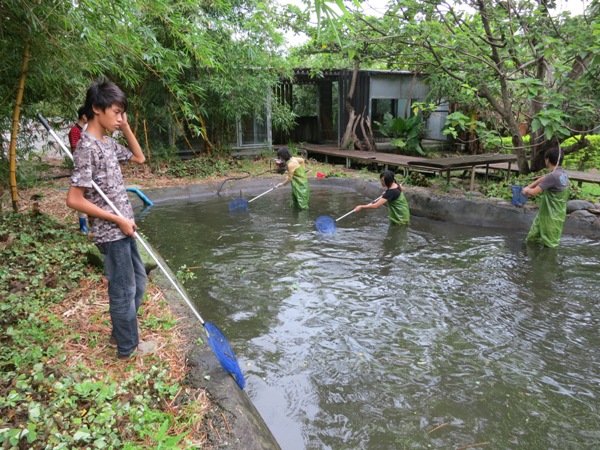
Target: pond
{"type": "Point", "coordinates": [383, 337]}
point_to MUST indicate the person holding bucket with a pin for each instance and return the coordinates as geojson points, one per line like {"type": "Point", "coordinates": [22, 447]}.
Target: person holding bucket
{"type": "Point", "coordinates": [296, 174]}
{"type": "Point", "coordinates": [398, 210]}
{"type": "Point", "coordinates": [554, 189]}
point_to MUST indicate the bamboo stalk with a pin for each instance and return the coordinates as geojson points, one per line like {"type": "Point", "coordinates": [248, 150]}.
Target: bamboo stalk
{"type": "Point", "coordinates": [182, 130]}
{"type": "Point", "coordinates": [147, 143]}
{"type": "Point", "coordinates": [12, 165]}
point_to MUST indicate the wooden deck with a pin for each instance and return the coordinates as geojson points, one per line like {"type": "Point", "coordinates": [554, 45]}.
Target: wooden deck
{"type": "Point", "coordinates": [495, 161]}
{"type": "Point", "coordinates": [467, 162]}
{"type": "Point", "coordinates": [583, 177]}
{"type": "Point", "coordinates": [361, 156]}
{"type": "Point", "coordinates": [574, 175]}
{"type": "Point", "coordinates": [414, 163]}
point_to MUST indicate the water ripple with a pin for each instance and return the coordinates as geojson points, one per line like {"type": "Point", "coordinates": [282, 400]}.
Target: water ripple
{"type": "Point", "coordinates": [376, 335]}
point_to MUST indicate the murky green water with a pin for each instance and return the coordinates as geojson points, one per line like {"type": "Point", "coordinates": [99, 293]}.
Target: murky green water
{"type": "Point", "coordinates": [379, 337]}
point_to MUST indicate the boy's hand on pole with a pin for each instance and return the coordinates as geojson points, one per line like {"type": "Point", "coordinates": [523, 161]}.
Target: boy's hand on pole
{"type": "Point", "coordinates": [128, 227]}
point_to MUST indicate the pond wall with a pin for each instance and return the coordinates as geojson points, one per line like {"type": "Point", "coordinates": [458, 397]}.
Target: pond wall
{"type": "Point", "coordinates": [468, 209]}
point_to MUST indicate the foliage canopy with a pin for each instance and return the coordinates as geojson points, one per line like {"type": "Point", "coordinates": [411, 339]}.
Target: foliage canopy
{"type": "Point", "coordinates": [505, 65]}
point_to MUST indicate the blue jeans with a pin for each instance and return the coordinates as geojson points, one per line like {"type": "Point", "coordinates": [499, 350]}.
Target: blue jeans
{"type": "Point", "coordinates": [126, 275]}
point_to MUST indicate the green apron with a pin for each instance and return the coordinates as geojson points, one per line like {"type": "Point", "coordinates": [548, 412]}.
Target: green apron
{"type": "Point", "coordinates": [548, 224]}
{"type": "Point", "coordinates": [300, 188]}
{"type": "Point", "coordinates": [398, 210]}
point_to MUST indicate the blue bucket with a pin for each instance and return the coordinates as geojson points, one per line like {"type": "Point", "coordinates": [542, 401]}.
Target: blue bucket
{"type": "Point", "coordinates": [518, 199]}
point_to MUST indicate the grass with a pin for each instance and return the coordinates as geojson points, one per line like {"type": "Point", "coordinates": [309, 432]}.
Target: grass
{"type": "Point", "coordinates": [590, 192]}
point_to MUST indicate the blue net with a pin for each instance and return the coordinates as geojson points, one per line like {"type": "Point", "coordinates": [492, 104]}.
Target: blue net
{"type": "Point", "coordinates": [518, 199]}
{"type": "Point", "coordinates": [325, 224]}
{"type": "Point", "coordinates": [224, 353]}
{"type": "Point", "coordinates": [238, 205]}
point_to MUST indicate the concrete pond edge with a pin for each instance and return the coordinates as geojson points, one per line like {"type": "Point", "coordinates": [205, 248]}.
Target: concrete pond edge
{"type": "Point", "coordinates": [238, 423]}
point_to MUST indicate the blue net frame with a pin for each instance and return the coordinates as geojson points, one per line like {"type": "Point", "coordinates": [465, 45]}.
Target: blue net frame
{"type": "Point", "coordinates": [325, 224]}
{"type": "Point", "coordinates": [238, 205]}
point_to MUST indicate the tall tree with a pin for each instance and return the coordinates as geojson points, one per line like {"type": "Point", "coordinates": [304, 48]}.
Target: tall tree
{"type": "Point", "coordinates": [515, 62]}
{"type": "Point", "coordinates": [338, 42]}
{"type": "Point", "coordinates": [180, 61]}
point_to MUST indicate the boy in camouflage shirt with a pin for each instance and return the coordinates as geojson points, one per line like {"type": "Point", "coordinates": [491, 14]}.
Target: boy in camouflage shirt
{"type": "Point", "coordinates": [97, 160]}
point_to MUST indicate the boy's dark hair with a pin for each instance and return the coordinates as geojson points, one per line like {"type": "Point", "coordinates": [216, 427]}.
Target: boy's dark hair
{"type": "Point", "coordinates": [284, 154]}
{"type": "Point", "coordinates": [388, 178]}
{"type": "Point", "coordinates": [81, 113]}
{"type": "Point", "coordinates": [103, 94]}
{"type": "Point", "coordinates": [554, 155]}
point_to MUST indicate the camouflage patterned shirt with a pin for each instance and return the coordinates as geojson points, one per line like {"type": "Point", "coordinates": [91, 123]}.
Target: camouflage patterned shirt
{"type": "Point", "coordinates": [97, 161]}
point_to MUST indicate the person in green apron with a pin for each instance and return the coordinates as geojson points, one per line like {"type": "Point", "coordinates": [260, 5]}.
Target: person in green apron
{"type": "Point", "coordinates": [296, 174]}
{"type": "Point", "coordinates": [554, 189]}
{"type": "Point", "coordinates": [398, 210]}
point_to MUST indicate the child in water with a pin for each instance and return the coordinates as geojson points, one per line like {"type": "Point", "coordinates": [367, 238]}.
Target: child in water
{"type": "Point", "coordinates": [296, 174]}
{"type": "Point", "coordinates": [398, 210]}
{"type": "Point", "coordinates": [554, 189]}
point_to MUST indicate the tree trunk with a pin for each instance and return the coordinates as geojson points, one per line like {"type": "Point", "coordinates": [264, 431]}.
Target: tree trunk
{"type": "Point", "coordinates": [518, 144]}
{"type": "Point", "coordinates": [538, 160]}
{"type": "Point", "coordinates": [369, 134]}
{"type": "Point", "coordinates": [347, 140]}
{"type": "Point", "coordinates": [12, 165]}
{"type": "Point", "coordinates": [355, 139]}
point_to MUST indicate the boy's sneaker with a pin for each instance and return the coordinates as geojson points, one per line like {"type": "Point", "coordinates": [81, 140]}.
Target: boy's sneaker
{"type": "Point", "coordinates": [143, 349]}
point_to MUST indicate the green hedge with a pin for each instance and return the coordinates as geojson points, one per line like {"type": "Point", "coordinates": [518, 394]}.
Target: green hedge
{"type": "Point", "coordinates": [583, 160]}
{"type": "Point", "coordinates": [586, 159]}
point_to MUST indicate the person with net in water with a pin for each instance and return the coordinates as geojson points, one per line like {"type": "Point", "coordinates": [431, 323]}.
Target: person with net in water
{"type": "Point", "coordinates": [296, 174]}
{"type": "Point", "coordinates": [398, 210]}
{"type": "Point", "coordinates": [554, 189]}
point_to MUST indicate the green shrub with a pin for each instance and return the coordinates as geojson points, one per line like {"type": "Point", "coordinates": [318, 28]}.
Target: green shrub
{"type": "Point", "coordinates": [582, 160]}
{"type": "Point", "coordinates": [202, 167]}
{"type": "Point", "coordinates": [585, 159]}
{"type": "Point", "coordinates": [45, 403]}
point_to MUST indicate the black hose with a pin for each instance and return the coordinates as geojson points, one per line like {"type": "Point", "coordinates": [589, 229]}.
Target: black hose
{"type": "Point", "coordinates": [231, 179]}
{"type": "Point", "coordinates": [240, 178]}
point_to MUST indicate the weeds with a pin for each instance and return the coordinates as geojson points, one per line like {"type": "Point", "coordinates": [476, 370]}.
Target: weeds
{"type": "Point", "coordinates": [200, 168]}
{"type": "Point", "coordinates": [58, 387]}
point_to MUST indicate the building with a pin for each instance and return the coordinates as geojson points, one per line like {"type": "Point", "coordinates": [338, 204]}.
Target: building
{"type": "Point", "coordinates": [319, 101]}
